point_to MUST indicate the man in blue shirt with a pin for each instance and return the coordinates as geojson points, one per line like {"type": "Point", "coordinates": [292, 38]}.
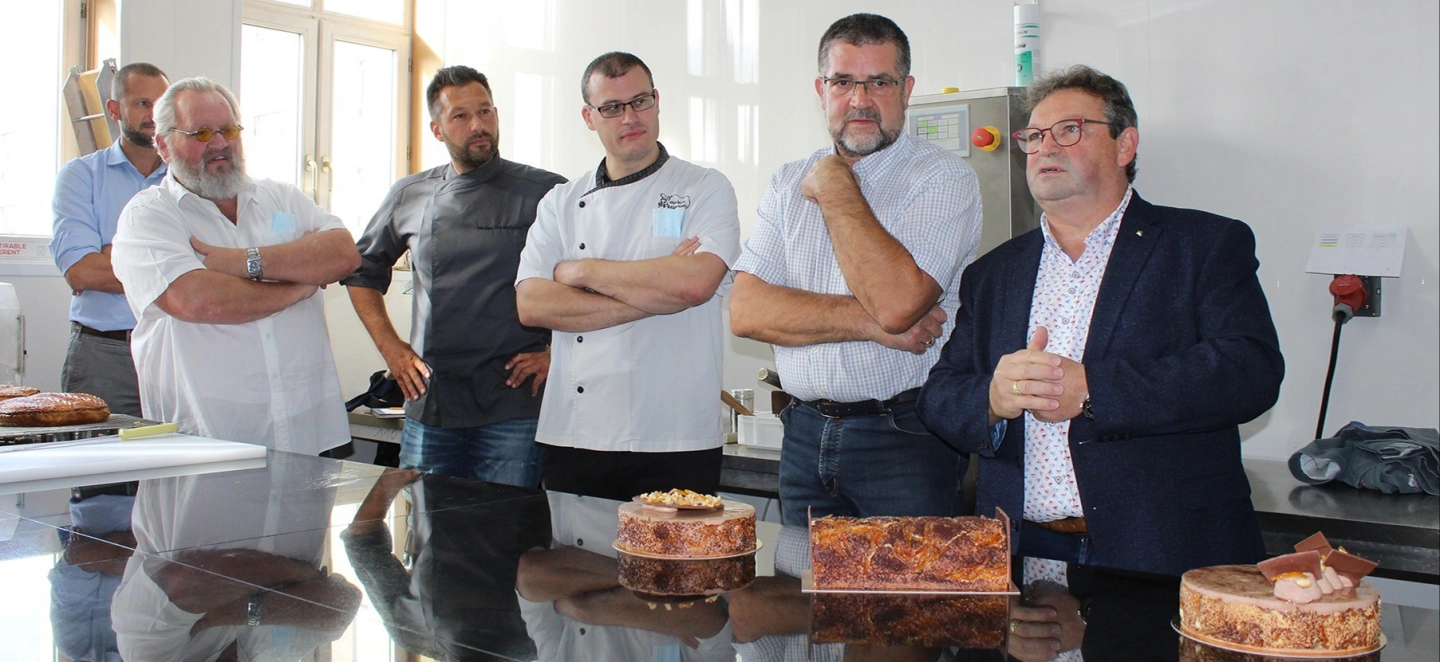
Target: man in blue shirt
{"type": "Point", "coordinates": [89, 194]}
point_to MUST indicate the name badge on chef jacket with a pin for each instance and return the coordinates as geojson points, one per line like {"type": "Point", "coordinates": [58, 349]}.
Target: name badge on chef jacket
{"type": "Point", "coordinates": [282, 222]}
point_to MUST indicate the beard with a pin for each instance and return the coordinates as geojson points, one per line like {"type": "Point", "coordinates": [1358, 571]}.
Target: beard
{"type": "Point", "coordinates": [473, 157]}
{"type": "Point", "coordinates": [213, 186]}
{"type": "Point", "coordinates": [136, 136]}
{"type": "Point", "coordinates": [863, 145]}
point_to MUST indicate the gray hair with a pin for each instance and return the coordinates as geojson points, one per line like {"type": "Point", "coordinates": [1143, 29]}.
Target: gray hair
{"type": "Point", "coordinates": [165, 107]}
{"type": "Point", "coordinates": [1119, 108]}
{"type": "Point", "coordinates": [120, 84]}
{"type": "Point", "coordinates": [864, 30]}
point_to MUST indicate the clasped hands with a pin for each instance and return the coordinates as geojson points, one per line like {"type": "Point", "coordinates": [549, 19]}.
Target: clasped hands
{"type": "Point", "coordinates": [1051, 387]}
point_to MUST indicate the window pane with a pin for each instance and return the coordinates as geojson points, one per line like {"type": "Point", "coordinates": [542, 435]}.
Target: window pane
{"type": "Point", "coordinates": [362, 131]}
{"type": "Point", "coordinates": [270, 85]}
{"type": "Point", "coordinates": [389, 11]}
{"type": "Point", "coordinates": [30, 130]}
{"type": "Point", "coordinates": [297, 3]}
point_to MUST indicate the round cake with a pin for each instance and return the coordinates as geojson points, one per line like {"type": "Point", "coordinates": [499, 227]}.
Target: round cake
{"type": "Point", "coordinates": [1236, 604]}
{"type": "Point", "coordinates": [8, 391]}
{"type": "Point", "coordinates": [651, 530]}
{"type": "Point", "coordinates": [685, 577]}
{"type": "Point", "coordinates": [51, 409]}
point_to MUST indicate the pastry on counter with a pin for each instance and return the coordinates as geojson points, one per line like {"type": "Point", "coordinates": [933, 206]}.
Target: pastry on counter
{"type": "Point", "coordinates": [910, 553]}
{"type": "Point", "coordinates": [1311, 601]}
{"type": "Point", "coordinates": [7, 391]}
{"type": "Point", "coordinates": [53, 409]}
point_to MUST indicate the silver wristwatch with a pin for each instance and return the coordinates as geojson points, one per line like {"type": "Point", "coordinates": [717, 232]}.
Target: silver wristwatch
{"type": "Point", "coordinates": [254, 609]}
{"type": "Point", "coordinates": [253, 266]}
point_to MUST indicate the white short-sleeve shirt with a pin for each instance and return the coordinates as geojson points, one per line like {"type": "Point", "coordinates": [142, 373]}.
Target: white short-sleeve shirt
{"type": "Point", "coordinates": [651, 385]}
{"type": "Point", "coordinates": [271, 381]}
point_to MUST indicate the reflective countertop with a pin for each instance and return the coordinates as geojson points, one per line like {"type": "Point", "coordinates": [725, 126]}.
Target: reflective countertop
{"type": "Point", "coordinates": [348, 561]}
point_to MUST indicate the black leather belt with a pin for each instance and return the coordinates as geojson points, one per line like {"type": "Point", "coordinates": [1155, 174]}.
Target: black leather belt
{"type": "Point", "coordinates": [832, 409]}
{"type": "Point", "coordinates": [123, 335]}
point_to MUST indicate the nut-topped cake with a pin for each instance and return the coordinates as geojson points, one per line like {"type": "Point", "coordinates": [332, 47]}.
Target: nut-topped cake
{"type": "Point", "coordinates": [1310, 601]}
{"type": "Point", "coordinates": [684, 524]}
{"type": "Point", "coordinates": [910, 553]}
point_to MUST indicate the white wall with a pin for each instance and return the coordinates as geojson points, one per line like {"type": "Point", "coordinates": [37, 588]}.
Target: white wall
{"type": "Point", "coordinates": [184, 37]}
{"type": "Point", "coordinates": [1289, 115]}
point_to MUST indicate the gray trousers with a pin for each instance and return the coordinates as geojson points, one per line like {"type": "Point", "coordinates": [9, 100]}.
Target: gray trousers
{"type": "Point", "coordinates": [103, 368]}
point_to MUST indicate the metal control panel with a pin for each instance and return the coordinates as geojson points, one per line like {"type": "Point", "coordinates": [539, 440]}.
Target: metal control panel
{"type": "Point", "coordinates": [952, 122]}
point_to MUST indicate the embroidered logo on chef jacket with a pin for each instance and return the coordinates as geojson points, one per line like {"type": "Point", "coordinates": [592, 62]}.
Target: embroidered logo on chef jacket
{"type": "Point", "coordinates": [669, 216]}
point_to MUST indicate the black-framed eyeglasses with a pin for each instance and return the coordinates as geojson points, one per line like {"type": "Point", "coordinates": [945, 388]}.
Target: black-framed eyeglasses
{"type": "Point", "coordinates": [613, 110]}
{"type": "Point", "coordinates": [205, 133]}
{"type": "Point", "coordinates": [1065, 133]}
{"type": "Point", "coordinates": [880, 86]}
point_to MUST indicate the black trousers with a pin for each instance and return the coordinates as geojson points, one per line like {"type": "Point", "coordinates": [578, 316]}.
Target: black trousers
{"type": "Point", "coordinates": [621, 475]}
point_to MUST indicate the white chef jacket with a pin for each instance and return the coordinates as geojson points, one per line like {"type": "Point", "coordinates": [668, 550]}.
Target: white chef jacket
{"type": "Point", "coordinates": [651, 385]}
{"type": "Point", "coordinates": [271, 381]}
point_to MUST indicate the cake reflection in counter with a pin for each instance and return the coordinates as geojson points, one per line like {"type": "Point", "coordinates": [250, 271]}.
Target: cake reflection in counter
{"type": "Point", "coordinates": [659, 580]}
{"type": "Point", "coordinates": [929, 621]}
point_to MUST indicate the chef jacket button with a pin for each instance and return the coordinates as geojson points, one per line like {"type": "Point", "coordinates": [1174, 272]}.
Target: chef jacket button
{"type": "Point", "coordinates": [579, 338]}
{"type": "Point", "coordinates": [582, 246]}
{"type": "Point", "coordinates": [582, 631]}
{"type": "Point", "coordinates": [579, 389]}
{"type": "Point", "coordinates": [582, 204]}
{"type": "Point", "coordinates": [579, 542]}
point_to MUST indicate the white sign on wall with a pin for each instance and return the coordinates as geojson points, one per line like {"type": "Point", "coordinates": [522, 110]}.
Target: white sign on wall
{"type": "Point", "coordinates": [1362, 250]}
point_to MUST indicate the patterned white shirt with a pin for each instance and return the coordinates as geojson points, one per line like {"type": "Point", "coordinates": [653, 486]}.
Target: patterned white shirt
{"type": "Point", "coordinates": [925, 198]}
{"type": "Point", "coordinates": [1065, 292]}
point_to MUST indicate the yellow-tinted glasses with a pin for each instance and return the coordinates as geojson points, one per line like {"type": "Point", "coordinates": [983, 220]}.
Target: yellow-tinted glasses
{"type": "Point", "coordinates": [205, 133]}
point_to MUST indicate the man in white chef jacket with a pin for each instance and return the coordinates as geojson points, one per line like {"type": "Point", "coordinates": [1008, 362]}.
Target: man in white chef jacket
{"type": "Point", "coordinates": [627, 264]}
{"type": "Point", "coordinates": [221, 272]}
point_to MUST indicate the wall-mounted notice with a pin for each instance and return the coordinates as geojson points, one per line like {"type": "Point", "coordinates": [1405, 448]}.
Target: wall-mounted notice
{"type": "Point", "coordinates": [1363, 250]}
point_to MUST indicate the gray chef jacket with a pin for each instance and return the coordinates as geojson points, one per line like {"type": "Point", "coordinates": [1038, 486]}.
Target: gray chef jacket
{"type": "Point", "coordinates": [465, 234]}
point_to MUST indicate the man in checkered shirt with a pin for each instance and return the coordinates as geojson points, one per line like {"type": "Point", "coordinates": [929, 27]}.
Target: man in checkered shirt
{"type": "Point", "coordinates": [851, 274]}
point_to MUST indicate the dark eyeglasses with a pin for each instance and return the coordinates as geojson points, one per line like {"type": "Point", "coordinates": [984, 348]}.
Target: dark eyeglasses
{"type": "Point", "coordinates": [882, 86]}
{"type": "Point", "coordinates": [205, 133]}
{"type": "Point", "coordinates": [613, 110]}
{"type": "Point", "coordinates": [1065, 133]}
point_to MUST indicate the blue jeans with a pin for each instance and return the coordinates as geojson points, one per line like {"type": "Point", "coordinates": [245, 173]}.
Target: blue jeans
{"type": "Point", "coordinates": [503, 452]}
{"type": "Point", "coordinates": [861, 466]}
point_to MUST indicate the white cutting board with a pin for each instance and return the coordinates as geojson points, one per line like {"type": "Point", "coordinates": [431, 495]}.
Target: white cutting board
{"type": "Point", "coordinates": [38, 466]}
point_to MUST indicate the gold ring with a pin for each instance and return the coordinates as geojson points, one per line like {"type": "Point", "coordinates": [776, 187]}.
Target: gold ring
{"type": "Point", "coordinates": [930, 342]}
{"type": "Point", "coordinates": [1015, 388]}
{"type": "Point", "coordinates": [1012, 627]}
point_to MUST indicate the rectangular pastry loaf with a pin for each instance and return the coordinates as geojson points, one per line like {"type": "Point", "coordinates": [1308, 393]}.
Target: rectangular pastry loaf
{"type": "Point", "coordinates": [910, 553]}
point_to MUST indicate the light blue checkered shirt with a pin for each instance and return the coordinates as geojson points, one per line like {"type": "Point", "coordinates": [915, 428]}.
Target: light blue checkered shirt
{"type": "Point", "coordinates": [927, 199]}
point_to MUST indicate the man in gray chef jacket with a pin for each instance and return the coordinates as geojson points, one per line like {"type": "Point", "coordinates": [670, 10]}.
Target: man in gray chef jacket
{"type": "Point", "coordinates": [471, 374]}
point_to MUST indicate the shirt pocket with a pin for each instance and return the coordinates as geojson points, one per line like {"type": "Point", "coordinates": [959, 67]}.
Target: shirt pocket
{"type": "Point", "coordinates": [667, 222]}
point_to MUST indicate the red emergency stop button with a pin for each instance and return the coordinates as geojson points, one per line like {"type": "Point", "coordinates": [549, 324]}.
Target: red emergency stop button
{"type": "Point", "coordinates": [986, 138]}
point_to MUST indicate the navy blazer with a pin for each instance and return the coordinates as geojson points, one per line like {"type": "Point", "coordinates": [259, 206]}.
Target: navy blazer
{"type": "Point", "coordinates": [1181, 351]}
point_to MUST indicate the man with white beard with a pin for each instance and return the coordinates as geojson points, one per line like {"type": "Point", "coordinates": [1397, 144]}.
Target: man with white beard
{"type": "Point", "coordinates": [221, 272]}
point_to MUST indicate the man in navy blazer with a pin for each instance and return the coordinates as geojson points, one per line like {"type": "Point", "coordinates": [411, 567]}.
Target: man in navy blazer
{"type": "Point", "coordinates": [1101, 365]}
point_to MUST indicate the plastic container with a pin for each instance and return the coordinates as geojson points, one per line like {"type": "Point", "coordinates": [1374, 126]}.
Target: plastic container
{"type": "Point", "coordinates": [763, 430]}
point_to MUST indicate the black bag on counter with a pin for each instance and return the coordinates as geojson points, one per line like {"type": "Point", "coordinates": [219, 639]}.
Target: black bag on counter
{"type": "Point", "coordinates": [383, 392]}
{"type": "Point", "coordinates": [1393, 460]}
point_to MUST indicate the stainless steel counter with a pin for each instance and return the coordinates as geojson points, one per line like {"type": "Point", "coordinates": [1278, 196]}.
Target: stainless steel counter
{"type": "Point", "coordinates": [1401, 532]}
